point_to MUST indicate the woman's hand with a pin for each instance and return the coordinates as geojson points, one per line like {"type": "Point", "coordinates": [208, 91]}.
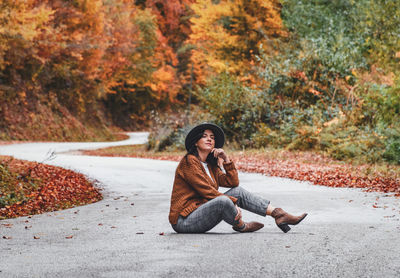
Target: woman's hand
{"type": "Point", "coordinates": [220, 153]}
{"type": "Point", "coordinates": [239, 213]}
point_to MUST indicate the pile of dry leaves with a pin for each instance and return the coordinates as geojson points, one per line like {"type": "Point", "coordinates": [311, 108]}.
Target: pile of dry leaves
{"type": "Point", "coordinates": [34, 188]}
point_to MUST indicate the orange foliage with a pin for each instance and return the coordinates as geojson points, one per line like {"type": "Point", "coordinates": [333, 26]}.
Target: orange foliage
{"type": "Point", "coordinates": [228, 35]}
{"type": "Point", "coordinates": [141, 52]}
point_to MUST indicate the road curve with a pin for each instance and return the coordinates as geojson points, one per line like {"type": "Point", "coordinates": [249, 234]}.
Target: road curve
{"type": "Point", "coordinates": [128, 235]}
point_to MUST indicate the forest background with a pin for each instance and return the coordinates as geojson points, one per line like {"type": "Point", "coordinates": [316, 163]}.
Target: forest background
{"type": "Point", "coordinates": [314, 75]}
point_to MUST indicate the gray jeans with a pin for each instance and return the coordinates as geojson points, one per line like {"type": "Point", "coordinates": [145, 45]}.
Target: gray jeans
{"type": "Point", "coordinates": [208, 215]}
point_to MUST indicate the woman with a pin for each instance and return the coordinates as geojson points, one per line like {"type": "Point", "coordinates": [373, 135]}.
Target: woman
{"type": "Point", "coordinates": [196, 204]}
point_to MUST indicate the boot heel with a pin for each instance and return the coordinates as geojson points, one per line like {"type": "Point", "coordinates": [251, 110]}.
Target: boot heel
{"type": "Point", "coordinates": [284, 227]}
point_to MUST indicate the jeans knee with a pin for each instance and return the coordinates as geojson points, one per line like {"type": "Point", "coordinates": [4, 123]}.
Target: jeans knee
{"type": "Point", "coordinates": [236, 191]}
{"type": "Point", "coordinates": [224, 202]}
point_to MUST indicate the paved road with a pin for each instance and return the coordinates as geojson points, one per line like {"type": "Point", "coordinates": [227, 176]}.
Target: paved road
{"type": "Point", "coordinates": [128, 235]}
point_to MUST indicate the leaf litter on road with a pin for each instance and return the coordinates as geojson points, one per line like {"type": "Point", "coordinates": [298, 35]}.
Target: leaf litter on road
{"type": "Point", "coordinates": [47, 188]}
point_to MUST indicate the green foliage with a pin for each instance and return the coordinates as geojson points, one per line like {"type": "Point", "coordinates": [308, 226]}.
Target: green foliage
{"type": "Point", "coordinates": [392, 151]}
{"type": "Point", "coordinates": [346, 34]}
{"type": "Point", "coordinates": [378, 23]}
{"type": "Point", "coordinates": [326, 29]}
{"type": "Point", "coordinates": [12, 186]}
{"type": "Point", "coordinates": [382, 105]}
{"type": "Point", "coordinates": [235, 108]}
{"type": "Point", "coordinates": [314, 99]}
{"type": "Point", "coordinates": [345, 142]}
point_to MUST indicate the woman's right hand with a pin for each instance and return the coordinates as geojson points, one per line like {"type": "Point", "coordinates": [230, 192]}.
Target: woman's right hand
{"type": "Point", "coordinates": [220, 153]}
{"type": "Point", "coordinates": [239, 213]}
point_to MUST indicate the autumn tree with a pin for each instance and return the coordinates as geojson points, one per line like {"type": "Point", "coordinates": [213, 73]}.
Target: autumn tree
{"type": "Point", "coordinates": [76, 61]}
{"type": "Point", "coordinates": [129, 90]}
{"type": "Point", "coordinates": [227, 35]}
{"type": "Point", "coordinates": [24, 30]}
{"type": "Point", "coordinates": [79, 52]}
{"type": "Point", "coordinates": [145, 77]}
{"type": "Point", "coordinates": [174, 26]}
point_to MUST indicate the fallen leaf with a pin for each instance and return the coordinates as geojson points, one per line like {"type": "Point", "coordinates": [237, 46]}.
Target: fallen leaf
{"type": "Point", "coordinates": [55, 187]}
{"type": "Point", "coordinates": [36, 237]}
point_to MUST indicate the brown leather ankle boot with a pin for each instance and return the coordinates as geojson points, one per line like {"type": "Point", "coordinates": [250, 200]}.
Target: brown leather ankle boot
{"type": "Point", "coordinates": [284, 219]}
{"type": "Point", "coordinates": [244, 227]}
{"type": "Point", "coordinates": [248, 227]}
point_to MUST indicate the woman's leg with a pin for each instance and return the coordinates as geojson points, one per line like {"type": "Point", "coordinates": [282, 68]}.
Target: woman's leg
{"type": "Point", "coordinates": [258, 205]}
{"type": "Point", "coordinates": [207, 216]}
{"type": "Point", "coordinates": [249, 201]}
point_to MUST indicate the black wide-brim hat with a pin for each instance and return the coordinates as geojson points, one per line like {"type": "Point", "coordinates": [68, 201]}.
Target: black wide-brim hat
{"type": "Point", "coordinates": [193, 136]}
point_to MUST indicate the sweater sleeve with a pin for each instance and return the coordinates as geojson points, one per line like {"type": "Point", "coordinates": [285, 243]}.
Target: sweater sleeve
{"type": "Point", "coordinates": [230, 179]}
{"type": "Point", "coordinates": [196, 176]}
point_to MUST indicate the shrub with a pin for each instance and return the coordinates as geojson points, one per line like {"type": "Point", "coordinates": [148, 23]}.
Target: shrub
{"type": "Point", "coordinates": [392, 146]}
{"type": "Point", "coordinates": [168, 131]}
{"type": "Point", "coordinates": [236, 108]}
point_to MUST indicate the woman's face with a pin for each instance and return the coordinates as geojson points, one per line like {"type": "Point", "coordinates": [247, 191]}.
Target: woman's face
{"type": "Point", "coordinates": [206, 142]}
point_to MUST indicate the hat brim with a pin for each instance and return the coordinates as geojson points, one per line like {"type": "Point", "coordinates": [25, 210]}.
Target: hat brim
{"type": "Point", "coordinates": [219, 135]}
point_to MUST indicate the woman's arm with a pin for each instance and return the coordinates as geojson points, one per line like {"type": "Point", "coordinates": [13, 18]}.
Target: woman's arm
{"type": "Point", "coordinates": [196, 176]}
{"type": "Point", "coordinates": [230, 179]}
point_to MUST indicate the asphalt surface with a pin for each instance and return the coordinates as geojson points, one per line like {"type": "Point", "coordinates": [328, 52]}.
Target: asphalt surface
{"type": "Point", "coordinates": [128, 235]}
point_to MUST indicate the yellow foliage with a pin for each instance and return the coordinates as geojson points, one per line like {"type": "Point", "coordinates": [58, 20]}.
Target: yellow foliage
{"type": "Point", "coordinates": [163, 74]}
{"type": "Point", "coordinates": [228, 34]}
{"type": "Point", "coordinates": [20, 19]}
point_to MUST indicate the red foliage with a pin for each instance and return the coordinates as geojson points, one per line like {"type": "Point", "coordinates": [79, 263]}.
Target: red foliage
{"type": "Point", "coordinates": [171, 20]}
{"type": "Point", "coordinates": [60, 189]}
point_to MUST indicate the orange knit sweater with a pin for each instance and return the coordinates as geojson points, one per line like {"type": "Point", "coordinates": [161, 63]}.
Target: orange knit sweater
{"type": "Point", "coordinates": [193, 187]}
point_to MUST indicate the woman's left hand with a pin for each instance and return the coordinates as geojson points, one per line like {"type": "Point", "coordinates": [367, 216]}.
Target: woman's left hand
{"type": "Point", "coordinates": [220, 153]}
